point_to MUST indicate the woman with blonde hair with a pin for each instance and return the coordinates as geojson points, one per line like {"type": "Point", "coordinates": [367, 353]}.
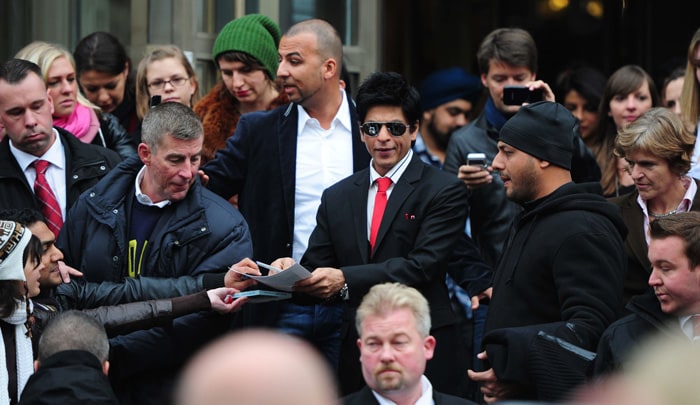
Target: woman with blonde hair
{"type": "Point", "coordinates": [657, 147]}
{"type": "Point", "coordinates": [165, 72]}
{"type": "Point", "coordinates": [690, 97]}
{"type": "Point", "coordinates": [72, 111]}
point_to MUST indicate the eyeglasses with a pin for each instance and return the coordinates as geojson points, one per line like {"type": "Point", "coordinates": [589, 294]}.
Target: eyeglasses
{"type": "Point", "coordinates": [175, 82]}
{"type": "Point", "coordinates": [394, 128]}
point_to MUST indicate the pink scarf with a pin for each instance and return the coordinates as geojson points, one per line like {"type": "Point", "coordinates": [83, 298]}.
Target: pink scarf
{"type": "Point", "coordinates": [82, 123]}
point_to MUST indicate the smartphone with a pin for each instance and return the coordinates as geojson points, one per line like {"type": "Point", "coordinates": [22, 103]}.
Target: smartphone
{"type": "Point", "coordinates": [155, 100]}
{"type": "Point", "coordinates": [517, 95]}
{"type": "Point", "coordinates": [477, 159]}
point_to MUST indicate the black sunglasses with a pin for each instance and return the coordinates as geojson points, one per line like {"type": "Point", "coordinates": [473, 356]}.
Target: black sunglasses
{"type": "Point", "coordinates": [394, 128]}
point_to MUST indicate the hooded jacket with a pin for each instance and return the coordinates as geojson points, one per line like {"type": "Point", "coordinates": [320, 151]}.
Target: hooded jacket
{"type": "Point", "coordinates": [491, 212]}
{"type": "Point", "coordinates": [561, 273]}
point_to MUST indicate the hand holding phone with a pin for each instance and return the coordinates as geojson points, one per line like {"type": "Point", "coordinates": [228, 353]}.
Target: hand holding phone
{"type": "Point", "coordinates": [517, 95]}
{"type": "Point", "coordinates": [476, 172]}
{"type": "Point", "coordinates": [477, 159]}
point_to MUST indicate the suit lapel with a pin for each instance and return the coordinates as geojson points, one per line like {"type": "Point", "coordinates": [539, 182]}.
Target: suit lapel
{"type": "Point", "coordinates": [287, 144]}
{"type": "Point", "coordinates": [633, 216]}
{"type": "Point", "coordinates": [402, 190]}
{"type": "Point", "coordinates": [359, 212]}
{"type": "Point", "coordinates": [366, 397]}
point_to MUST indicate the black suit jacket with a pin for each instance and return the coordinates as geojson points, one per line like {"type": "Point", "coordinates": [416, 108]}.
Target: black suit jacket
{"type": "Point", "coordinates": [365, 397]}
{"type": "Point", "coordinates": [424, 216]}
{"type": "Point", "coordinates": [85, 166]}
{"type": "Point", "coordinates": [636, 248]}
{"type": "Point", "coordinates": [423, 219]}
{"type": "Point", "coordinates": [259, 164]}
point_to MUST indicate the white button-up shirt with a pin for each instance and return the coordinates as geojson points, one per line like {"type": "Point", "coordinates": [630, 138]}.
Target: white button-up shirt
{"type": "Point", "coordinates": [324, 157]}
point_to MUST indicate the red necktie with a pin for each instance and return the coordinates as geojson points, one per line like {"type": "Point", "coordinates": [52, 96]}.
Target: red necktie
{"type": "Point", "coordinates": [383, 184]}
{"type": "Point", "coordinates": [49, 204]}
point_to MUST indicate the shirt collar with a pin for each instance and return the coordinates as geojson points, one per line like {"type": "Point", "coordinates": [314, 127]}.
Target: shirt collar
{"type": "Point", "coordinates": [54, 155]}
{"type": "Point", "coordinates": [394, 173]}
{"type": "Point", "coordinates": [424, 154]}
{"type": "Point", "coordinates": [143, 198]}
{"type": "Point", "coordinates": [426, 397]}
{"type": "Point", "coordinates": [686, 203]}
{"type": "Point", "coordinates": [686, 324]}
{"type": "Point", "coordinates": [342, 116]}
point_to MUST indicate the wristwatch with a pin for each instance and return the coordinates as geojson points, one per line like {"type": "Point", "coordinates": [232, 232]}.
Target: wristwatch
{"type": "Point", "coordinates": [344, 294]}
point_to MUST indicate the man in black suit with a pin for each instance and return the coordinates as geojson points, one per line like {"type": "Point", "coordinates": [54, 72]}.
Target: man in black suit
{"type": "Point", "coordinates": [26, 114]}
{"type": "Point", "coordinates": [393, 322]}
{"type": "Point", "coordinates": [280, 161]}
{"type": "Point", "coordinates": [424, 216]}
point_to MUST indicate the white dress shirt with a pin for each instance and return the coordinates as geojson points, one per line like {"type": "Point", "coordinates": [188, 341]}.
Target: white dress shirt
{"type": "Point", "coordinates": [143, 198]}
{"type": "Point", "coordinates": [55, 173]}
{"type": "Point", "coordinates": [426, 397]}
{"type": "Point", "coordinates": [324, 157]}
{"type": "Point", "coordinates": [684, 206]}
{"type": "Point", "coordinates": [394, 174]}
{"type": "Point", "coordinates": [686, 323]}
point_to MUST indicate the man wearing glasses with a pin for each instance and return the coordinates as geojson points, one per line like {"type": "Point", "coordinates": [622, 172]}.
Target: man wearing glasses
{"type": "Point", "coordinates": [395, 221]}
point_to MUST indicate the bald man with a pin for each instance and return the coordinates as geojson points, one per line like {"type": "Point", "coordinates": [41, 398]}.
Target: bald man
{"type": "Point", "coordinates": [257, 367]}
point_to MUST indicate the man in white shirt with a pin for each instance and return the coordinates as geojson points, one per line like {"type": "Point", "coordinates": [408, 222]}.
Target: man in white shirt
{"type": "Point", "coordinates": [280, 161]}
{"type": "Point", "coordinates": [393, 322]}
{"type": "Point", "coordinates": [673, 306]}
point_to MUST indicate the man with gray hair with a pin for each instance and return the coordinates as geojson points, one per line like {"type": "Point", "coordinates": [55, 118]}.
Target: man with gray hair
{"type": "Point", "coordinates": [393, 322]}
{"type": "Point", "coordinates": [151, 217]}
{"type": "Point", "coordinates": [73, 363]}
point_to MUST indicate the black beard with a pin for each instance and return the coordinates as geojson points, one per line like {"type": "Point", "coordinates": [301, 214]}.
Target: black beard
{"type": "Point", "coordinates": [441, 139]}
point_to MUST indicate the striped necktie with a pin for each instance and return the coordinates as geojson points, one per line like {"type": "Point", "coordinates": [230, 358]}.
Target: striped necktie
{"type": "Point", "coordinates": [49, 203]}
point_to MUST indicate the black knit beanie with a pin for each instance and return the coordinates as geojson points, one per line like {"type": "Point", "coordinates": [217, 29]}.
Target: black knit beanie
{"type": "Point", "coordinates": [544, 130]}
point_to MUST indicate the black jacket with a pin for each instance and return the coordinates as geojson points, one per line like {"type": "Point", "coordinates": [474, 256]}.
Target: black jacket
{"type": "Point", "coordinates": [638, 264]}
{"type": "Point", "coordinates": [561, 273]}
{"type": "Point", "coordinates": [365, 397]}
{"type": "Point", "coordinates": [259, 164]}
{"type": "Point", "coordinates": [200, 234]}
{"type": "Point", "coordinates": [626, 334]}
{"type": "Point", "coordinates": [85, 166]}
{"type": "Point", "coordinates": [491, 213]}
{"type": "Point", "coordinates": [69, 377]}
{"type": "Point", "coordinates": [112, 135]}
{"type": "Point", "coordinates": [136, 303]}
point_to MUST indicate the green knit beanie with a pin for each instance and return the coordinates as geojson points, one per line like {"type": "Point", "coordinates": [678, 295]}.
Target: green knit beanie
{"type": "Point", "coordinates": [254, 34]}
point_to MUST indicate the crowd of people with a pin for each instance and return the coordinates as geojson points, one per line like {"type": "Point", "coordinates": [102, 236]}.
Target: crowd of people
{"type": "Point", "coordinates": [462, 248]}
